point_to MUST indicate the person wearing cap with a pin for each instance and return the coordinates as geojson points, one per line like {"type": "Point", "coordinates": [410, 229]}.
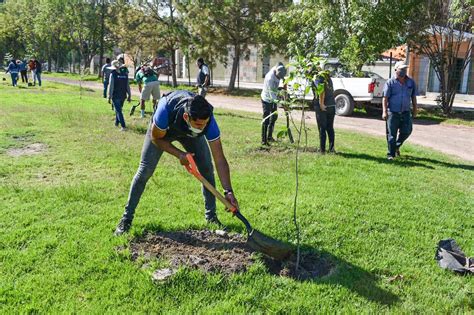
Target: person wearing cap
{"type": "Point", "coordinates": [325, 108]}
{"type": "Point", "coordinates": [202, 77]}
{"type": "Point", "coordinates": [14, 69]}
{"type": "Point", "coordinates": [119, 89]}
{"type": "Point", "coordinates": [187, 118]}
{"type": "Point", "coordinates": [148, 84]}
{"type": "Point", "coordinates": [269, 101]}
{"type": "Point", "coordinates": [399, 91]}
{"type": "Point", "coordinates": [106, 75]}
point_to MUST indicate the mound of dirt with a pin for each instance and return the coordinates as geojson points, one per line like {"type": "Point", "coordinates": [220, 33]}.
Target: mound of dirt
{"type": "Point", "coordinates": [30, 149]}
{"type": "Point", "coordinates": [227, 254]}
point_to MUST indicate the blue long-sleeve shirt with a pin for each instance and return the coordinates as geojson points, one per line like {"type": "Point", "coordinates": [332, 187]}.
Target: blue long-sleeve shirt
{"type": "Point", "coordinates": [22, 66]}
{"type": "Point", "coordinates": [13, 68]}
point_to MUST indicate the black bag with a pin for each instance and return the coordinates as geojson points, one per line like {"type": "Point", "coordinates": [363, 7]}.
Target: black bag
{"type": "Point", "coordinates": [450, 256]}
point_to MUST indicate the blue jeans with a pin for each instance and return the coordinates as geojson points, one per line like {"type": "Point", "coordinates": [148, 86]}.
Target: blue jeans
{"type": "Point", "coordinates": [118, 105]}
{"type": "Point", "coordinates": [14, 78]}
{"type": "Point", "coordinates": [149, 160]}
{"type": "Point", "coordinates": [106, 85]}
{"type": "Point", "coordinates": [399, 128]}
{"type": "Point", "coordinates": [325, 121]}
{"type": "Point", "coordinates": [38, 76]}
{"type": "Point", "coordinates": [269, 124]}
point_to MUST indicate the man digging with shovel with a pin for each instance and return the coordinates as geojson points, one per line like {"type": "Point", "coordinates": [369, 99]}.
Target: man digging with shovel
{"type": "Point", "coordinates": [187, 118]}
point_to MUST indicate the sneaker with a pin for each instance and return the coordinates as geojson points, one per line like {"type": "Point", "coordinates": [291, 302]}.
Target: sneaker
{"type": "Point", "coordinates": [390, 158]}
{"type": "Point", "coordinates": [215, 220]}
{"type": "Point", "coordinates": [271, 139]}
{"type": "Point", "coordinates": [123, 226]}
{"type": "Point", "coordinates": [123, 129]}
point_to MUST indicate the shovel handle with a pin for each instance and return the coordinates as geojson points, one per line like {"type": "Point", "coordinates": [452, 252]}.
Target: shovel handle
{"type": "Point", "coordinates": [193, 170]}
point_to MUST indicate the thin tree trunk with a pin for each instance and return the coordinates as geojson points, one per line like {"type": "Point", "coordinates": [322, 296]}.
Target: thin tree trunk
{"type": "Point", "coordinates": [173, 67]}
{"type": "Point", "coordinates": [58, 52]}
{"type": "Point", "coordinates": [188, 68]}
{"type": "Point", "coordinates": [235, 64]}
{"type": "Point", "coordinates": [50, 58]}
{"type": "Point", "coordinates": [102, 34]}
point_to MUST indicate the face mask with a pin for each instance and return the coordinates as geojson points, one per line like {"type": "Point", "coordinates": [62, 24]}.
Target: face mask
{"type": "Point", "coordinates": [402, 73]}
{"type": "Point", "coordinates": [195, 130]}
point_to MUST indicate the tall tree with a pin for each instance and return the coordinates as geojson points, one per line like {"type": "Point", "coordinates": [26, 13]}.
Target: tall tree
{"type": "Point", "coordinates": [446, 39]}
{"type": "Point", "coordinates": [355, 31]}
{"type": "Point", "coordinates": [171, 34]}
{"type": "Point", "coordinates": [84, 27]}
{"type": "Point", "coordinates": [230, 23]}
{"type": "Point", "coordinates": [131, 31]}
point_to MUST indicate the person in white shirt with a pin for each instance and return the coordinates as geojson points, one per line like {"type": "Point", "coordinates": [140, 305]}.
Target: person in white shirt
{"type": "Point", "coordinates": [202, 77]}
{"type": "Point", "coordinates": [269, 101]}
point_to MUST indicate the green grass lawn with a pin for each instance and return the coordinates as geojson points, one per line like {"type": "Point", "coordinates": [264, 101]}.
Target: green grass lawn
{"type": "Point", "coordinates": [374, 219]}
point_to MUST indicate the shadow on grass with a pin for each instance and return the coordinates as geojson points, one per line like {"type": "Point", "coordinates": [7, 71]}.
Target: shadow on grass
{"type": "Point", "coordinates": [407, 161]}
{"type": "Point", "coordinates": [315, 265]}
{"type": "Point", "coordinates": [354, 278]}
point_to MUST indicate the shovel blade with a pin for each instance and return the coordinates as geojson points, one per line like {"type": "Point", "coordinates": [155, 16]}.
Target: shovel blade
{"type": "Point", "coordinates": [268, 246]}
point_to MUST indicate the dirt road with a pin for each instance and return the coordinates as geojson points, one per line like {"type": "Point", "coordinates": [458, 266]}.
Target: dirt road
{"type": "Point", "coordinates": [457, 141]}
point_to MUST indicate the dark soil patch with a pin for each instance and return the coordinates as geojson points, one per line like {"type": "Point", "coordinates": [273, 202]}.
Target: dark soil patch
{"type": "Point", "coordinates": [227, 254]}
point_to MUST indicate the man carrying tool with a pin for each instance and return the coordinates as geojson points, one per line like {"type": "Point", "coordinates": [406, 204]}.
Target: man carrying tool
{"type": "Point", "coordinates": [148, 84]}
{"type": "Point", "coordinates": [187, 118]}
{"type": "Point", "coordinates": [269, 101]}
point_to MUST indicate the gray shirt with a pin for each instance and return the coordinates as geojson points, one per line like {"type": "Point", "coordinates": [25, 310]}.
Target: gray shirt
{"type": "Point", "coordinates": [270, 87]}
{"type": "Point", "coordinates": [106, 72]}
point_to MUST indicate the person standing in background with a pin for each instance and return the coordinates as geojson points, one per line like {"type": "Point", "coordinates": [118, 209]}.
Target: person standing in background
{"type": "Point", "coordinates": [23, 72]}
{"type": "Point", "coordinates": [14, 69]}
{"type": "Point", "coordinates": [106, 75]}
{"type": "Point", "coordinates": [203, 77]}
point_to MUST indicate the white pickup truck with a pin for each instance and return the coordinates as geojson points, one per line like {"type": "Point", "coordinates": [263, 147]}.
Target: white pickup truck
{"type": "Point", "coordinates": [361, 92]}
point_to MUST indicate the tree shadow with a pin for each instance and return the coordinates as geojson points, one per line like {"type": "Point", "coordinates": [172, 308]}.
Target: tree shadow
{"type": "Point", "coordinates": [403, 162]}
{"type": "Point", "coordinates": [321, 266]}
{"type": "Point", "coordinates": [315, 265]}
{"type": "Point", "coordinates": [407, 161]}
{"type": "Point", "coordinates": [466, 167]}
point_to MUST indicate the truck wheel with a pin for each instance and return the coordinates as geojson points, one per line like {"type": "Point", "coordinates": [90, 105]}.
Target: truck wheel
{"type": "Point", "coordinates": [344, 104]}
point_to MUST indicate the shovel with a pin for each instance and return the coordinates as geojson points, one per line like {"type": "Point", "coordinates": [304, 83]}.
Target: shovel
{"type": "Point", "coordinates": [132, 110]}
{"type": "Point", "coordinates": [256, 240]}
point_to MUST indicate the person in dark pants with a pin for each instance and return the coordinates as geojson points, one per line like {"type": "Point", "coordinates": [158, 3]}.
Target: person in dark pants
{"type": "Point", "coordinates": [187, 118]}
{"type": "Point", "coordinates": [119, 89]}
{"type": "Point", "coordinates": [106, 75]}
{"type": "Point", "coordinates": [269, 97]}
{"type": "Point", "coordinates": [203, 77]}
{"type": "Point", "coordinates": [23, 72]}
{"type": "Point", "coordinates": [398, 92]}
{"type": "Point", "coordinates": [38, 71]}
{"type": "Point", "coordinates": [13, 69]}
{"type": "Point", "coordinates": [325, 108]}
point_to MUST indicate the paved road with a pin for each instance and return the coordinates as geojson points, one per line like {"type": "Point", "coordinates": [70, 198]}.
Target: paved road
{"type": "Point", "coordinates": [457, 141]}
